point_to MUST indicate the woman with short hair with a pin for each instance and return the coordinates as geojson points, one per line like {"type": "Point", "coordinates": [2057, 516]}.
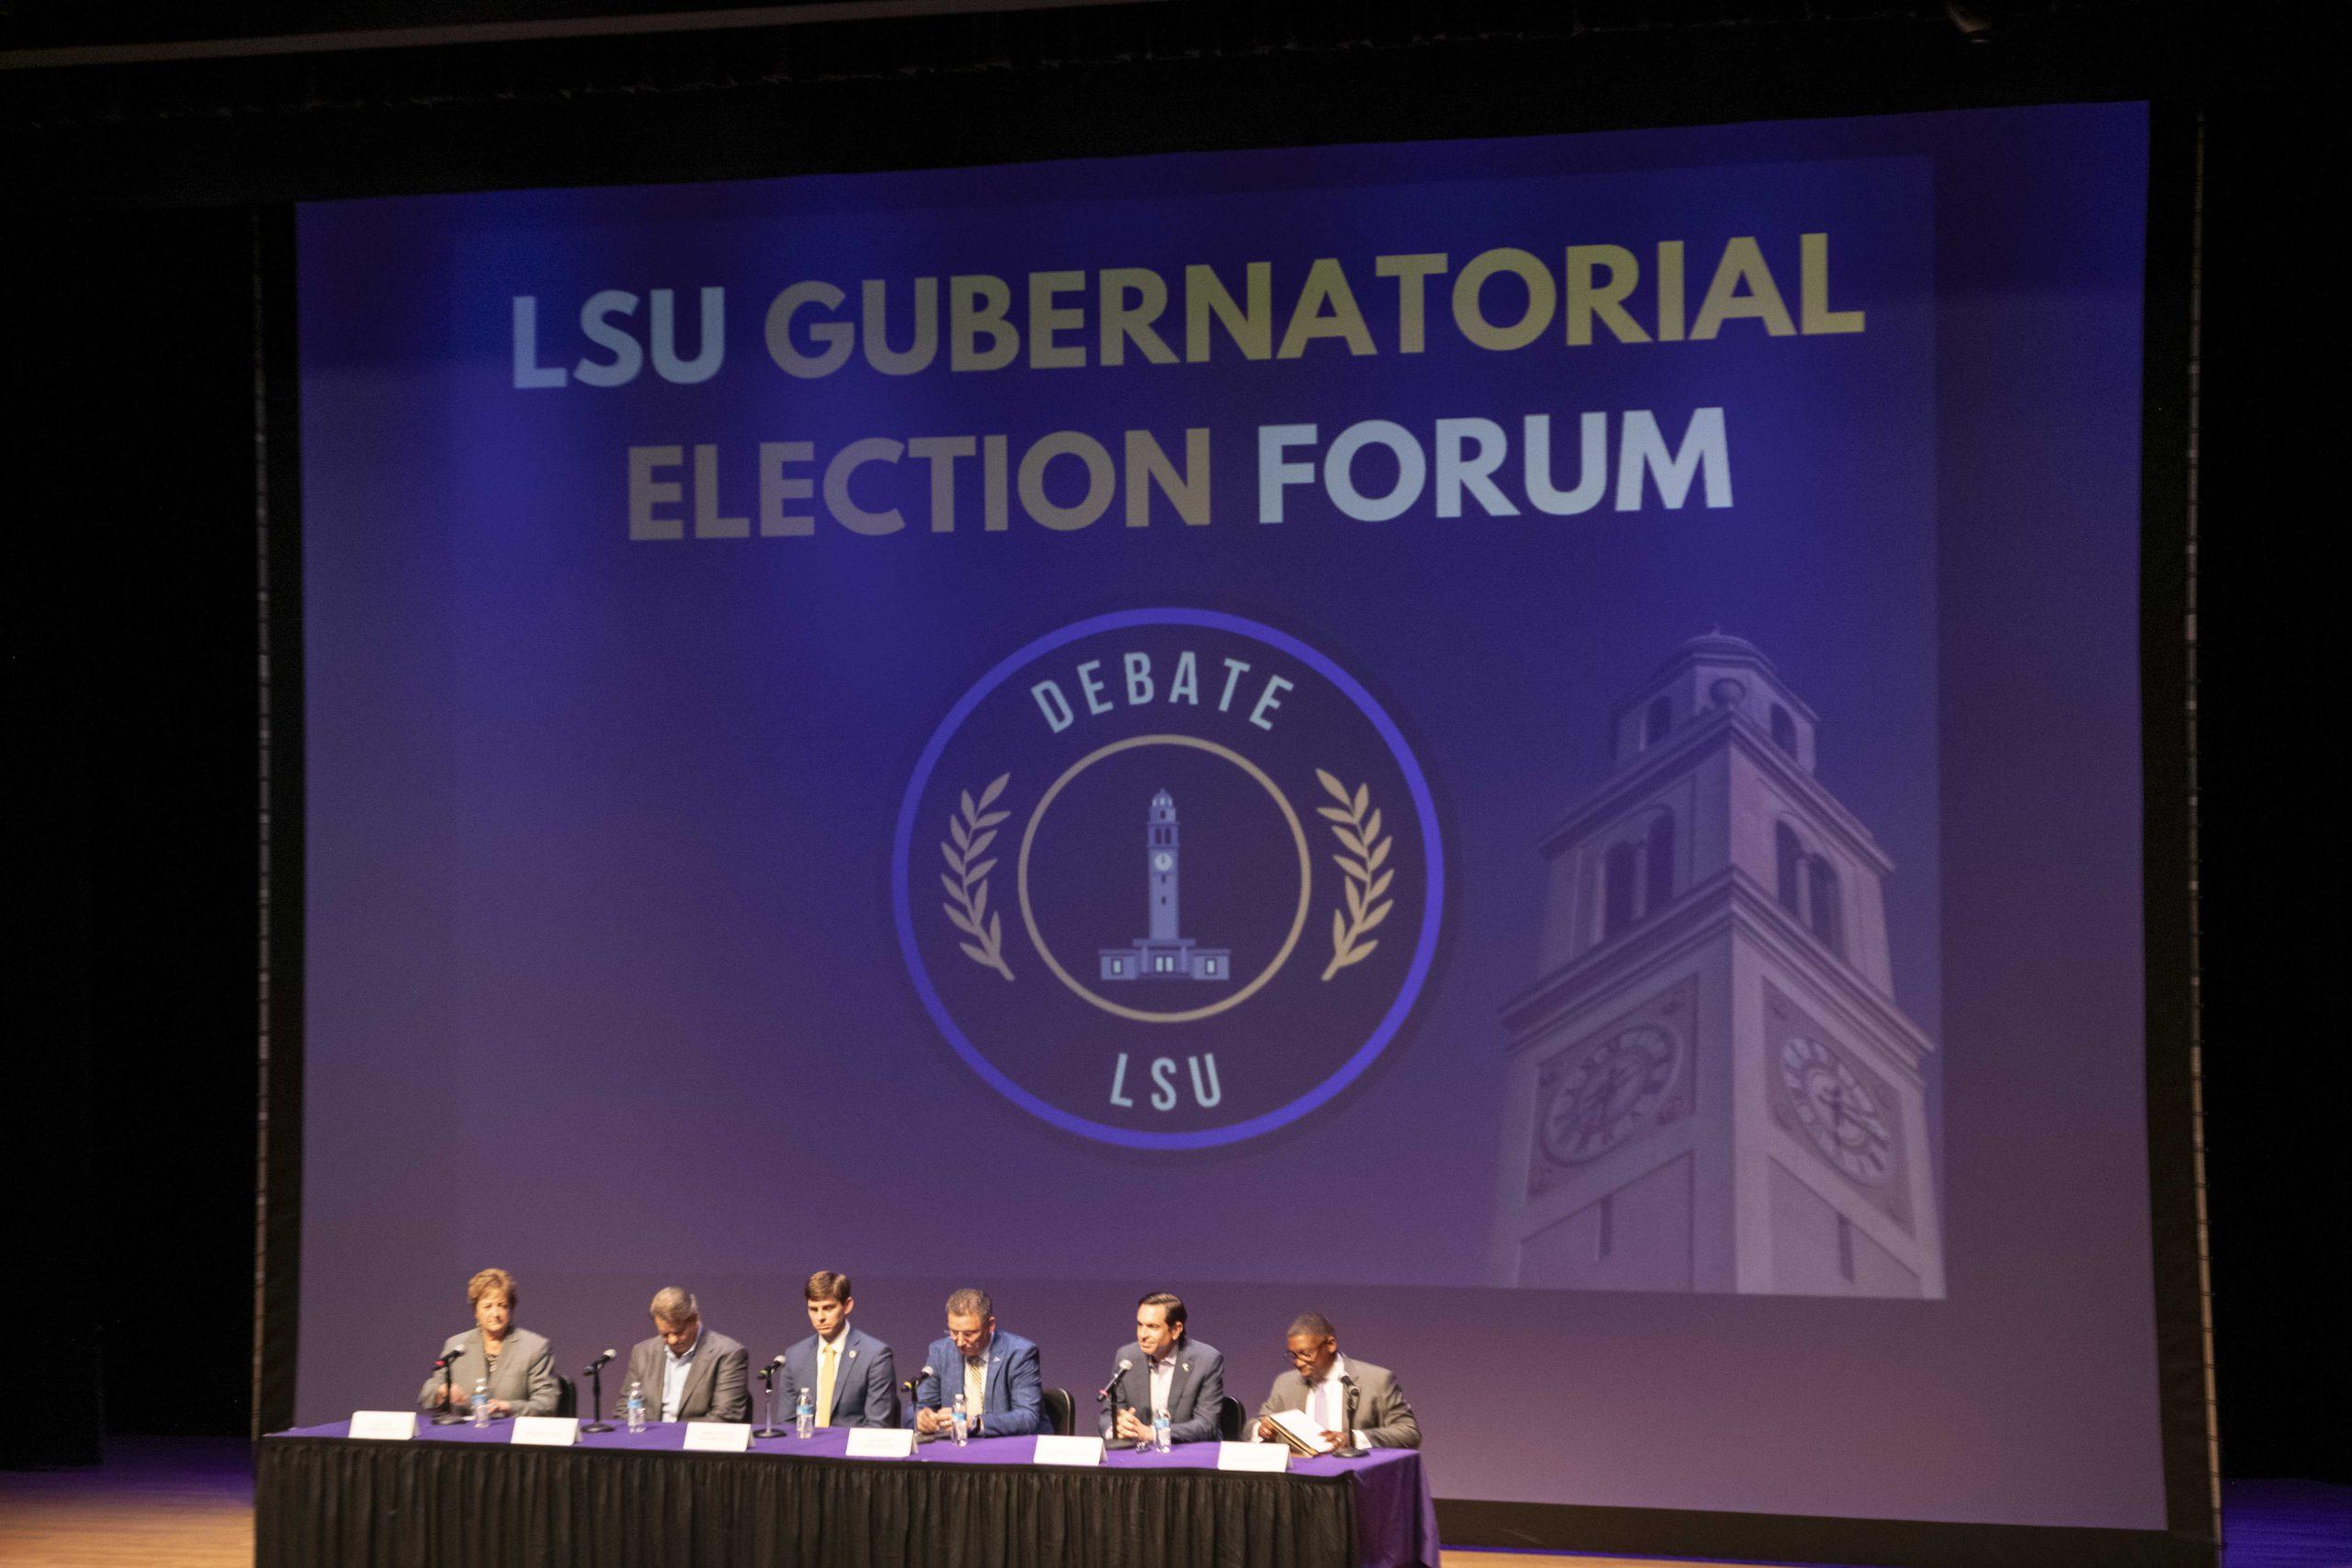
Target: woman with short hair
{"type": "Point", "coordinates": [518, 1364]}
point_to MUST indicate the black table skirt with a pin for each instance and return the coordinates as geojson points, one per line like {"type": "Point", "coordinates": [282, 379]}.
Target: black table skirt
{"type": "Point", "coordinates": [320, 1502]}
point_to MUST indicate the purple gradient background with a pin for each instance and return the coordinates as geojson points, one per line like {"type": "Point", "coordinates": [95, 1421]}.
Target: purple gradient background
{"type": "Point", "coordinates": [602, 981]}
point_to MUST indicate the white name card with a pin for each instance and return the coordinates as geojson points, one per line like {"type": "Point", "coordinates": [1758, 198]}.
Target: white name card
{"type": "Point", "coordinates": [546, 1431]}
{"type": "Point", "coordinates": [384, 1425]}
{"type": "Point", "coordinates": [881, 1443]}
{"type": "Point", "coordinates": [1273, 1457]}
{"type": "Point", "coordinates": [719, 1437]}
{"type": "Point", "coordinates": [1052, 1450]}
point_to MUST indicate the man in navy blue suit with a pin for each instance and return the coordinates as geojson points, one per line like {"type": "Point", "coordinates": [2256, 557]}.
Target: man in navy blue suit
{"type": "Point", "coordinates": [996, 1372]}
{"type": "Point", "coordinates": [846, 1370]}
{"type": "Point", "coordinates": [1167, 1369]}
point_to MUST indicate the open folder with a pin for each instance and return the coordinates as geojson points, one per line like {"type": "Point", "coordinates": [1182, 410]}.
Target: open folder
{"type": "Point", "coordinates": [1303, 1435]}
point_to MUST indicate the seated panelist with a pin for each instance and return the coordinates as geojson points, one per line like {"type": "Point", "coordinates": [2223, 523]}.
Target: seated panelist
{"type": "Point", "coordinates": [518, 1364]}
{"type": "Point", "coordinates": [1170, 1370]}
{"type": "Point", "coordinates": [847, 1371]}
{"type": "Point", "coordinates": [1318, 1382]}
{"type": "Point", "coordinates": [996, 1372]}
{"type": "Point", "coordinates": [689, 1373]}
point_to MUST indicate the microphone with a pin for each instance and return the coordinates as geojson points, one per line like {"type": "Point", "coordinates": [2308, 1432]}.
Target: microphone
{"type": "Point", "coordinates": [1347, 1448]}
{"type": "Point", "coordinates": [915, 1382]}
{"type": "Point", "coordinates": [595, 1370]}
{"type": "Point", "coordinates": [778, 1362]}
{"type": "Point", "coordinates": [1126, 1365]}
{"type": "Point", "coordinates": [447, 1403]}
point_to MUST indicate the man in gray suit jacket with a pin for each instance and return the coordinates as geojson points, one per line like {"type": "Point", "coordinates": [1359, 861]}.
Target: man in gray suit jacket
{"type": "Point", "coordinates": [689, 1373]}
{"type": "Point", "coordinates": [1319, 1383]}
{"type": "Point", "coordinates": [1167, 1368]}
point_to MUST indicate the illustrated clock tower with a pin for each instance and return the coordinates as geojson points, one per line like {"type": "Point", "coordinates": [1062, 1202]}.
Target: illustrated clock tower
{"type": "Point", "coordinates": [1711, 1087]}
{"type": "Point", "coordinates": [1166, 954]}
{"type": "Point", "coordinates": [1161, 850]}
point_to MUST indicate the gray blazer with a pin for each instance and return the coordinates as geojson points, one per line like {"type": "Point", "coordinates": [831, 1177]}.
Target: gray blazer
{"type": "Point", "coordinates": [719, 1385]}
{"type": "Point", "coordinates": [1194, 1395]}
{"type": "Point", "coordinates": [524, 1377]}
{"type": "Point", "coordinates": [1382, 1415]}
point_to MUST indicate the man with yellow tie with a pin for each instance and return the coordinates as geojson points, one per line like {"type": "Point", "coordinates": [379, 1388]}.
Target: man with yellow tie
{"type": "Point", "coordinates": [845, 1370]}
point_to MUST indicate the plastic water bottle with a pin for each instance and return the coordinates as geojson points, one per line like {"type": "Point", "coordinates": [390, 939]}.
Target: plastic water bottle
{"type": "Point", "coordinates": [804, 1415]}
{"type": "Point", "coordinates": [481, 1402]}
{"type": "Point", "coordinates": [963, 1423]}
{"type": "Point", "coordinates": [637, 1408]}
{"type": "Point", "coordinates": [1159, 1434]}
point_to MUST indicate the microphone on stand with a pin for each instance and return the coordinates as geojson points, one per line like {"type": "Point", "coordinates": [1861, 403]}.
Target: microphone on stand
{"type": "Point", "coordinates": [767, 1386]}
{"type": "Point", "coordinates": [913, 1387]}
{"type": "Point", "coordinates": [594, 1373]}
{"type": "Point", "coordinates": [1111, 1393]}
{"type": "Point", "coordinates": [447, 1365]}
{"type": "Point", "coordinates": [1347, 1448]}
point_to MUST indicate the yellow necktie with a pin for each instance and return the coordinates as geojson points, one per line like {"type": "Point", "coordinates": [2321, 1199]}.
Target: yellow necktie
{"type": "Point", "coordinates": [825, 1366]}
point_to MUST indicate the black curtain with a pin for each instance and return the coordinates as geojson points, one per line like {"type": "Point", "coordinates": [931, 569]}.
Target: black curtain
{"type": "Point", "coordinates": [132, 638]}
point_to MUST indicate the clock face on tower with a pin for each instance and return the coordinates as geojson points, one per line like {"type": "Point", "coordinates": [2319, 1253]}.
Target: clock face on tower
{"type": "Point", "coordinates": [1836, 1109]}
{"type": "Point", "coordinates": [1162, 861]}
{"type": "Point", "coordinates": [1606, 1096]}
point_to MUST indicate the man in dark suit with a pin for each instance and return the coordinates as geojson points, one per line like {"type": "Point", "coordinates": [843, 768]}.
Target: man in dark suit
{"type": "Point", "coordinates": [997, 1372]}
{"type": "Point", "coordinates": [1173, 1373]}
{"type": "Point", "coordinates": [846, 1370]}
{"type": "Point", "coordinates": [688, 1373]}
{"type": "Point", "coordinates": [1319, 1383]}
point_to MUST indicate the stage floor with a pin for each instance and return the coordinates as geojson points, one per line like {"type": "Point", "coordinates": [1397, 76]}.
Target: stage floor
{"type": "Point", "coordinates": [190, 1501]}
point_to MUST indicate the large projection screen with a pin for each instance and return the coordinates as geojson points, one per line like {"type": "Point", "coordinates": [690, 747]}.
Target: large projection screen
{"type": "Point", "coordinates": [1533, 744]}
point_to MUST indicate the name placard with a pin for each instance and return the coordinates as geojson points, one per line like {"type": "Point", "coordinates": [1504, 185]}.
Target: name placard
{"type": "Point", "coordinates": [546, 1431]}
{"type": "Point", "coordinates": [1273, 1457]}
{"type": "Point", "coordinates": [1052, 1450]}
{"type": "Point", "coordinates": [881, 1443]}
{"type": "Point", "coordinates": [719, 1437]}
{"type": "Point", "coordinates": [384, 1425]}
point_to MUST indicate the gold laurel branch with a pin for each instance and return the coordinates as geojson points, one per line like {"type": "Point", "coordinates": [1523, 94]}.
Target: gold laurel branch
{"type": "Point", "coordinates": [1362, 868]}
{"type": "Point", "coordinates": [970, 831]}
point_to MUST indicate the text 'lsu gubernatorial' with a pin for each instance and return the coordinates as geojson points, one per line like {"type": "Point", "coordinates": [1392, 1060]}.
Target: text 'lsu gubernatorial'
{"type": "Point", "coordinates": [1500, 299]}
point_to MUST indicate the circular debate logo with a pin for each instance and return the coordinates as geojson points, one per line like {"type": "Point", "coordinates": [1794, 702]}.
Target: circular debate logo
{"type": "Point", "coordinates": [1168, 878]}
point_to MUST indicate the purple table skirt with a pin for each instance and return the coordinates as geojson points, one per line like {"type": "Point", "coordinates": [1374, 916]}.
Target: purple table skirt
{"type": "Point", "coordinates": [1396, 1518]}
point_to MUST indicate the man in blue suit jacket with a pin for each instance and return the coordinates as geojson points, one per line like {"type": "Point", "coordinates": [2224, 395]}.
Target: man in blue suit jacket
{"type": "Point", "coordinates": [859, 1388]}
{"type": "Point", "coordinates": [977, 1360]}
{"type": "Point", "coordinates": [1174, 1371]}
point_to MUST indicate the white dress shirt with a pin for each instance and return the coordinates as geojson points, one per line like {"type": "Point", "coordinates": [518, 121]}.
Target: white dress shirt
{"type": "Point", "coordinates": [1163, 1381]}
{"type": "Point", "coordinates": [675, 1368]}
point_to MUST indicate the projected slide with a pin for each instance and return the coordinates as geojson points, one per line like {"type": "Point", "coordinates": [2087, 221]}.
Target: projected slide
{"type": "Point", "coordinates": [1383, 718]}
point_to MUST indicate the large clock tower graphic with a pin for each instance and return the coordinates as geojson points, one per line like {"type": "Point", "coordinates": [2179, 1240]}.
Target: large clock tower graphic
{"type": "Point", "coordinates": [1711, 1085]}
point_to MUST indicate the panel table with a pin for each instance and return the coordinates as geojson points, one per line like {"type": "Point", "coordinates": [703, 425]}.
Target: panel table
{"type": "Point", "coordinates": [456, 1497]}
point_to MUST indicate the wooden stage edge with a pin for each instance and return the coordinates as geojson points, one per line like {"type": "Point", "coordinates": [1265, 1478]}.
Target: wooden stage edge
{"type": "Point", "coordinates": [189, 1501]}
